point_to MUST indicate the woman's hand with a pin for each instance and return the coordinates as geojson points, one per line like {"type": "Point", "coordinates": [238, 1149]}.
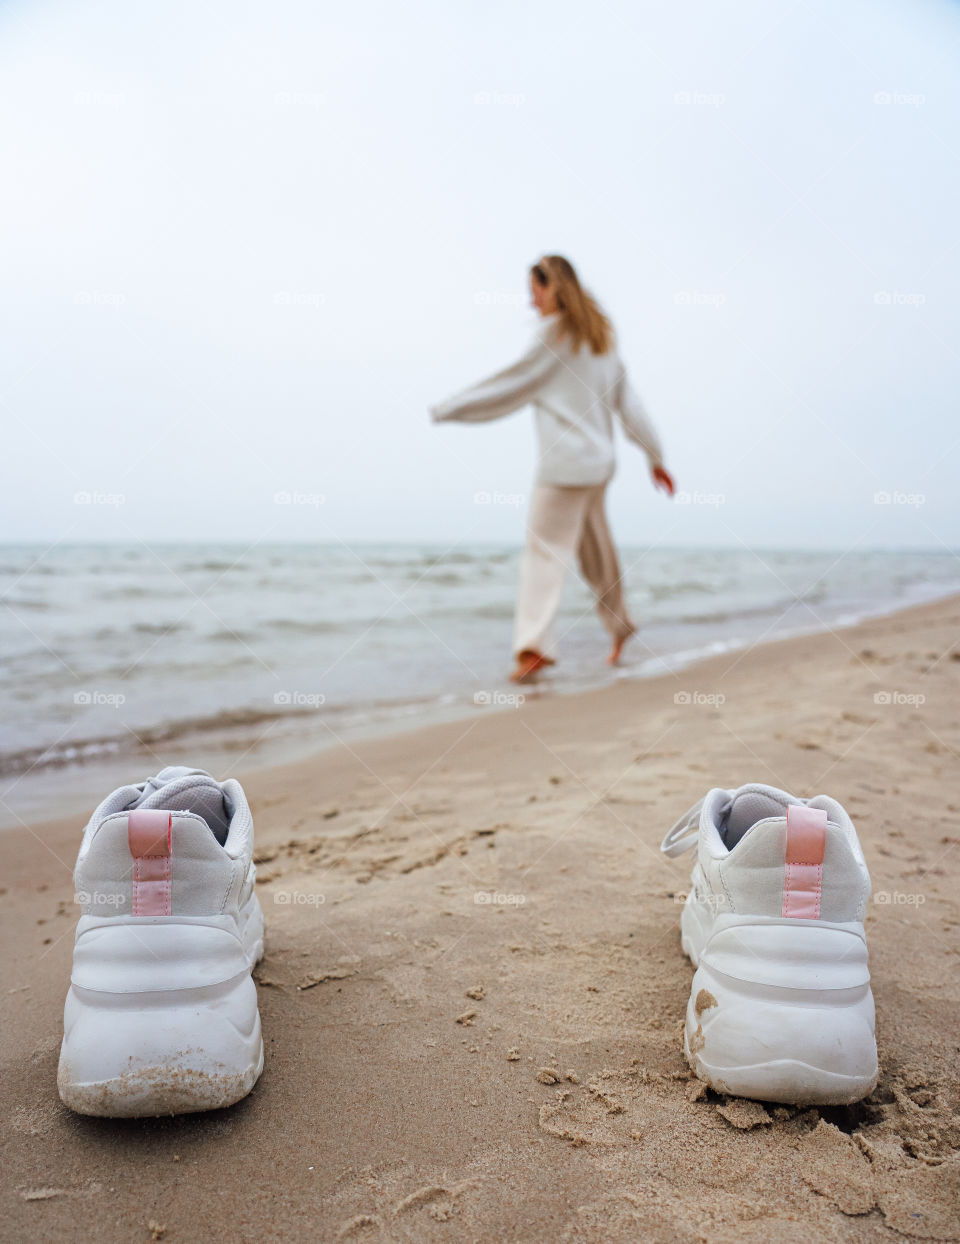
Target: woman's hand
{"type": "Point", "coordinates": [663, 479]}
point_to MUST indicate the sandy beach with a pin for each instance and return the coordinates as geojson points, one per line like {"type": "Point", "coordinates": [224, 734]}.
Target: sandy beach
{"type": "Point", "coordinates": [473, 984]}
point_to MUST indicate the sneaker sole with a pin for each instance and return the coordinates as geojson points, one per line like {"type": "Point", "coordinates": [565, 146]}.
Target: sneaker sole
{"type": "Point", "coordinates": [131, 1053]}
{"type": "Point", "coordinates": [805, 1043]}
{"type": "Point", "coordinates": [185, 1082]}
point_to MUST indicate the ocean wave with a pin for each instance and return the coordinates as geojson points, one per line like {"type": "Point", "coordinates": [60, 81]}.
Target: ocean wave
{"type": "Point", "coordinates": [769, 609]}
{"type": "Point", "coordinates": [193, 567]}
{"type": "Point", "coordinates": [58, 755]}
{"type": "Point", "coordinates": [35, 606]}
{"type": "Point", "coordinates": [157, 628]}
{"type": "Point", "coordinates": [299, 626]}
{"type": "Point", "coordinates": [139, 592]}
{"type": "Point", "coordinates": [689, 587]}
{"type": "Point", "coordinates": [469, 559]}
{"type": "Point", "coordinates": [232, 636]}
{"type": "Point", "coordinates": [493, 612]}
{"type": "Point", "coordinates": [444, 578]}
{"type": "Point", "coordinates": [74, 751]}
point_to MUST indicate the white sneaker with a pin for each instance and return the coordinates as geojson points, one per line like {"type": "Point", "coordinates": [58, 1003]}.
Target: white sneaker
{"type": "Point", "coordinates": [161, 1016]}
{"type": "Point", "coordinates": [781, 1007]}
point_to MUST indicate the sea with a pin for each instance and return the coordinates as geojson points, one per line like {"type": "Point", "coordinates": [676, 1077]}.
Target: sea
{"type": "Point", "coordinates": [117, 659]}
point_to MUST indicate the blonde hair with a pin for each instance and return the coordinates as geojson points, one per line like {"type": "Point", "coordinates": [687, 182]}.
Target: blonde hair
{"type": "Point", "coordinates": [581, 318]}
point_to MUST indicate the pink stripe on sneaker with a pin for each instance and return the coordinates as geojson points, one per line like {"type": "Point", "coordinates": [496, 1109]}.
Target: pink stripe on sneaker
{"type": "Point", "coordinates": [803, 874]}
{"type": "Point", "coordinates": [149, 833]}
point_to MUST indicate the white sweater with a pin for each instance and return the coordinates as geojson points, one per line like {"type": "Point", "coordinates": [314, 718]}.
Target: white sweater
{"type": "Point", "coordinates": [574, 395]}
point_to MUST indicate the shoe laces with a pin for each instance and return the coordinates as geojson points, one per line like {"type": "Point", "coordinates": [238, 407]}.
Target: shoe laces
{"type": "Point", "coordinates": [684, 834]}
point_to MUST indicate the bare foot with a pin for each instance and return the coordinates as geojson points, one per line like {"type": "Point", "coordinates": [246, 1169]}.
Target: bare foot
{"type": "Point", "coordinates": [528, 665]}
{"type": "Point", "coordinates": [616, 650]}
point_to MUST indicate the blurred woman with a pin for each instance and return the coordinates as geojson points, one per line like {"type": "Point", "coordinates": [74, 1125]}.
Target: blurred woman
{"type": "Point", "coordinates": [573, 377]}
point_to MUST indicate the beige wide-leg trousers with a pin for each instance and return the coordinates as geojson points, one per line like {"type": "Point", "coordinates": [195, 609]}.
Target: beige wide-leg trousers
{"type": "Point", "coordinates": [566, 526]}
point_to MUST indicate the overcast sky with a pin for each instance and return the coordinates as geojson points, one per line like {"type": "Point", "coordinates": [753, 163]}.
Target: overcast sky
{"type": "Point", "coordinates": [245, 245]}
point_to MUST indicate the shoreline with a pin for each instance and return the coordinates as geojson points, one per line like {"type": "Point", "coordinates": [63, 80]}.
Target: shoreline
{"type": "Point", "coordinates": [103, 774]}
{"type": "Point", "coordinates": [473, 979]}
